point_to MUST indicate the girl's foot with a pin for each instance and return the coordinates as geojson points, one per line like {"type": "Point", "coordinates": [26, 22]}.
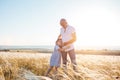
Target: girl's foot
{"type": "Point", "coordinates": [55, 72]}
{"type": "Point", "coordinates": [46, 75]}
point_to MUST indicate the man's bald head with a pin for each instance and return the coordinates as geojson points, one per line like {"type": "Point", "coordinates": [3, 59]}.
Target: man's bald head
{"type": "Point", "coordinates": [63, 19]}
{"type": "Point", "coordinates": [63, 23]}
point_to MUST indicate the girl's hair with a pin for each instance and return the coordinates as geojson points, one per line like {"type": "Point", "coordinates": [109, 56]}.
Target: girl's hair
{"type": "Point", "coordinates": [57, 41]}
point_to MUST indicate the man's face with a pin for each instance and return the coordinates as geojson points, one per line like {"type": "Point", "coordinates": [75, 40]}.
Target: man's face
{"type": "Point", "coordinates": [63, 23]}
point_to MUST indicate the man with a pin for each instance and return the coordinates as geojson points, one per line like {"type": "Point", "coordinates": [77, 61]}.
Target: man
{"type": "Point", "coordinates": [68, 36]}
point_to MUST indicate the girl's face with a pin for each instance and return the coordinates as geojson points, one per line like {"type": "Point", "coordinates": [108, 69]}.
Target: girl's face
{"type": "Point", "coordinates": [59, 42]}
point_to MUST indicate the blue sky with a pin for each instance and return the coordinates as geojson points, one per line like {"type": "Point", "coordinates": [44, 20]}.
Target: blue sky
{"type": "Point", "coordinates": [36, 22]}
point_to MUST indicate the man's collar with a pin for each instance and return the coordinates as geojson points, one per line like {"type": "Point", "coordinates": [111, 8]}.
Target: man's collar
{"type": "Point", "coordinates": [66, 27]}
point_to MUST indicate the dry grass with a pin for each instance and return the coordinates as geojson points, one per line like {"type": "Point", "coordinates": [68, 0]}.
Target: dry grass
{"type": "Point", "coordinates": [91, 67]}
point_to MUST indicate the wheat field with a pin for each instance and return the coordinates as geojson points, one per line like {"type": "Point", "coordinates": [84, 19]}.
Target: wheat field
{"type": "Point", "coordinates": [32, 66]}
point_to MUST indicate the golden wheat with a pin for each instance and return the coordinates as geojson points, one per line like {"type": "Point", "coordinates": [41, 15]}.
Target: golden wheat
{"type": "Point", "coordinates": [91, 67]}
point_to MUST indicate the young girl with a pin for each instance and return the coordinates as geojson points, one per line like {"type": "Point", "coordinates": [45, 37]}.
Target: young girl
{"type": "Point", "coordinates": [56, 57]}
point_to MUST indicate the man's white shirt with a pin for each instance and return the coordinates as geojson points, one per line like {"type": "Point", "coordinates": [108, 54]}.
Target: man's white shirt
{"type": "Point", "coordinates": [67, 35]}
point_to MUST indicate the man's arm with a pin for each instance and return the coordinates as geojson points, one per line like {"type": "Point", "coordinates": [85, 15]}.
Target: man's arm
{"type": "Point", "coordinates": [72, 40]}
{"type": "Point", "coordinates": [60, 37]}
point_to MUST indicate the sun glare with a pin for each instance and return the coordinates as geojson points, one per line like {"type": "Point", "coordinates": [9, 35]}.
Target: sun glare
{"type": "Point", "coordinates": [96, 27]}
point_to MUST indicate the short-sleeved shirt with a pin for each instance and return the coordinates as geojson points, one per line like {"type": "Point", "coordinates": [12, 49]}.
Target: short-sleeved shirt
{"type": "Point", "coordinates": [67, 35]}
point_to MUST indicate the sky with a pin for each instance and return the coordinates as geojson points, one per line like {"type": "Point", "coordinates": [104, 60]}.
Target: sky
{"type": "Point", "coordinates": [36, 22]}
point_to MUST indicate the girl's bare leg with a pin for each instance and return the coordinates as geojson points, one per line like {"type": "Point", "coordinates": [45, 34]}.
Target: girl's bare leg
{"type": "Point", "coordinates": [56, 70]}
{"type": "Point", "coordinates": [48, 71]}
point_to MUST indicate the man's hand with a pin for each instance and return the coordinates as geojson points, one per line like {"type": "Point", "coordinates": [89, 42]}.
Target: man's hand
{"type": "Point", "coordinates": [60, 49]}
{"type": "Point", "coordinates": [65, 43]}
